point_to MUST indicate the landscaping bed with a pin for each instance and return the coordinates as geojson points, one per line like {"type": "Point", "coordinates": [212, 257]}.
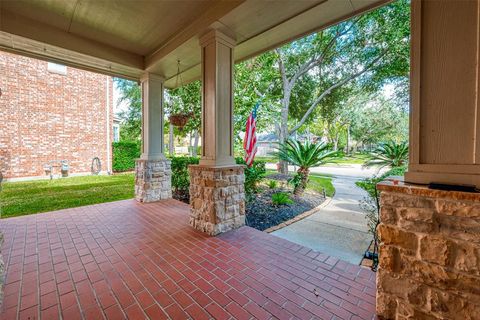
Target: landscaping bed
{"type": "Point", "coordinates": [261, 212]}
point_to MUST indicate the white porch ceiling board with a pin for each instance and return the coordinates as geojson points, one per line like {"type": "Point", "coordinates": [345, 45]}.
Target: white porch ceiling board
{"type": "Point", "coordinates": [136, 26]}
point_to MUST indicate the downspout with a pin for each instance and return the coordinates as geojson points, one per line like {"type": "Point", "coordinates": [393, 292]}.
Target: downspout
{"type": "Point", "coordinates": [109, 144]}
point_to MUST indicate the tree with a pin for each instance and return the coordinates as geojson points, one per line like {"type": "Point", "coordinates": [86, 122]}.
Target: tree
{"type": "Point", "coordinates": [130, 92]}
{"type": "Point", "coordinates": [370, 50]}
{"type": "Point", "coordinates": [377, 119]}
{"type": "Point", "coordinates": [304, 155]}
{"type": "Point", "coordinates": [253, 83]}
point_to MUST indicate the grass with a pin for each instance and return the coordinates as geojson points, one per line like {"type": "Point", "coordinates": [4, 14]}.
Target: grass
{"type": "Point", "coordinates": [357, 158]}
{"type": "Point", "coordinates": [317, 182]}
{"type": "Point", "coordinates": [268, 159]}
{"type": "Point", "coordinates": [22, 198]}
{"type": "Point", "coordinates": [320, 183]}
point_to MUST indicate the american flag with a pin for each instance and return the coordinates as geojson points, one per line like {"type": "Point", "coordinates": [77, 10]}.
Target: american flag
{"type": "Point", "coordinates": [250, 140]}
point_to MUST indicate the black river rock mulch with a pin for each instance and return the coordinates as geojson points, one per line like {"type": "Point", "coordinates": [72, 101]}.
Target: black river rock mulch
{"type": "Point", "coordinates": [261, 214]}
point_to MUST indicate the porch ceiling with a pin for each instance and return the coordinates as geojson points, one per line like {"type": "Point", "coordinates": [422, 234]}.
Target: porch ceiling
{"type": "Point", "coordinates": [125, 38]}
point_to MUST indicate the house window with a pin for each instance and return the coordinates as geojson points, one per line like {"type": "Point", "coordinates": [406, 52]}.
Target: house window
{"type": "Point", "coordinates": [57, 68]}
{"type": "Point", "coordinates": [116, 133]}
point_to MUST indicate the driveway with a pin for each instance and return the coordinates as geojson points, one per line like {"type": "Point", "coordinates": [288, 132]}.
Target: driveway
{"type": "Point", "coordinates": [340, 228]}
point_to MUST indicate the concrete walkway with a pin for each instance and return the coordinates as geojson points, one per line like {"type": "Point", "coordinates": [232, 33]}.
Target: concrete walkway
{"type": "Point", "coordinates": [340, 228]}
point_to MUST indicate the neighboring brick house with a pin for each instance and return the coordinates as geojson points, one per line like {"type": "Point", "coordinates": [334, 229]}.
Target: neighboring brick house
{"type": "Point", "coordinates": [49, 112]}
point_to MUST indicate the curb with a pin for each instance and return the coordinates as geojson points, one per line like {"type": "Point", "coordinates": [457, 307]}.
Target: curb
{"type": "Point", "coordinates": [299, 217]}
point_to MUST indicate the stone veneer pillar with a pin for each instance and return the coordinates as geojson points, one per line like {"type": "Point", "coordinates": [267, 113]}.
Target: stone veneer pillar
{"type": "Point", "coordinates": [153, 172]}
{"type": "Point", "coordinates": [217, 198]}
{"type": "Point", "coordinates": [217, 195]}
{"type": "Point", "coordinates": [429, 253]}
{"type": "Point", "coordinates": [153, 180]}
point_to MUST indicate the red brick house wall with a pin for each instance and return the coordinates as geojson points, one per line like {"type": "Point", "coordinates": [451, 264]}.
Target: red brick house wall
{"type": "Point", "coordinates": [48, 116]}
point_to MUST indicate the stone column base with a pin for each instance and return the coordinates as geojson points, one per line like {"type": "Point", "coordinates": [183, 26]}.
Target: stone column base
{"type": "Point", "coordinates": [429, 260]}
{"type": "Point", "coordinates": [153, 180]}
{"type": "Point", "coordinates": [217, 198]}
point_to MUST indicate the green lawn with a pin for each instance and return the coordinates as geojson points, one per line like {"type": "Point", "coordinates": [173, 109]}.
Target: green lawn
{"type": "Point", "coordinates": [358, 158]}
{"type": "Point", "coordinates": [318, 182]}
{"type": "Point", "coordinates": [21, 198]}
{"type": "Point", "coordinates": [268, 159]}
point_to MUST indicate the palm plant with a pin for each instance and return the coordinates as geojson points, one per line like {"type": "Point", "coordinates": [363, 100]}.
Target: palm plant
{"type": "Point", "coordinates": [305, 156]}
{"type": "Point", "coordinates": [389, 154]}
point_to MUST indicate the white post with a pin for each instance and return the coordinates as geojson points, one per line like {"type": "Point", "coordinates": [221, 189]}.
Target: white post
{"type": "Point", "coordinates": [152, 117]}
{"type": "Point", "coordinates": [217, 99]}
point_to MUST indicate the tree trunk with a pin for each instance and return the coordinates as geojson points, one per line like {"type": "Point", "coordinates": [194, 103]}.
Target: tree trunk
{"type": "Point", "coordinates": [335, 143]}
{"type": "Point", "coordinates": [348, 140]}
{"type": "Point", "coordinates": [283, 130]}
{"type": "Point", "coordinates": [302, 185]}
{"type": "Point", "coordinates": [190, 144]}
{"type": "Point", "coordinates": [195, 143]}
{"type": "Point", "coordinates": [283, 165]}
{"type": "Point", "coordinates": [171, 148]}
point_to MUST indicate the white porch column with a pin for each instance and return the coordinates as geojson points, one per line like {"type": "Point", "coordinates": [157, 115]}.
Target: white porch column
{"type": "Point", "coordinates": [445, 109]}
{"type": "Point", "coordinates": [217, 195]}
{"type": "Point", "coordinates": [217, 99]}
{"type": "Point", "coordinates": [152, 117]}
{"type": "Point", "coordinates": [153, 170]}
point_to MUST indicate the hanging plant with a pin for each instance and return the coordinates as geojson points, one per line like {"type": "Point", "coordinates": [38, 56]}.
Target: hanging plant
{"type": "Point", "coordinates": [180, 119]}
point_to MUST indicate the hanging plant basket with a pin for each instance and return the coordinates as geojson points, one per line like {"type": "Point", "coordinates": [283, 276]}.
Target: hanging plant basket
{"type": "Point", "coordinates": [179, 119]}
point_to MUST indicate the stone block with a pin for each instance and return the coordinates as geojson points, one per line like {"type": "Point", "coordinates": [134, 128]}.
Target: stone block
{"type": "Point", "coordinates": [460, 227]}
{"type": "Point", "coordinates": [388, 215]}
{"type": "Point", "coordinates": [390, 258]}
{"type": "Point", "coordinates": [458, 208]}
{"type": "Point", "coordinates": [398, 200]}
{"type": "Point", "coordinates": [398, 237]}
{"type": "Point", "coordinates": [465, 257]}
{"type": "Point", "coordinates": [435, 249]}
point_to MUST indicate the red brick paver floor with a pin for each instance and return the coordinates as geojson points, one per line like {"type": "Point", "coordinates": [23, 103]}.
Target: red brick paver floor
{"type": "Point", "coordinates": [128, 260]}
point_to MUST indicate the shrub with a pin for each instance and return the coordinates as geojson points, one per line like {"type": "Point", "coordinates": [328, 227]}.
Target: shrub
{"type": "Point", "coordinates": [371, 203]}
{"type": "Point", "coordinates": [272, 184]}
{"type": "Point", "coordinates": [305, 156]}
{"type": "Point", "coordinates": [295, 181]}
{"type": "Point", "coordinates": [389, 154]}
{"type": "Point", "coordinates": [253, 175]}
{"type": "Point", "coordinates": [281, 198]}
{"type": "Point", "coordinates": [180, 176]}
{"type": "Point", "coordinates": [124, 155]}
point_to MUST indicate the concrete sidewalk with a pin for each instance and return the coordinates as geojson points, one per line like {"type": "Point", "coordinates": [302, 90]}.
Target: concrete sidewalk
{"type": "Point", "coordinates": [340, 228]}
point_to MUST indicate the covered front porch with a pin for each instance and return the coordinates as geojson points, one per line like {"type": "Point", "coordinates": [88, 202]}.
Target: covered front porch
{"type": "Point", "coordinates": [155, 257]}
{"type": "Point", "coordinates": [143, 261]}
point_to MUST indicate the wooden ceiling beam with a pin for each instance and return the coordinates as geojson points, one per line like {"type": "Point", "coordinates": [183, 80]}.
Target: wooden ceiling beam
{"type": "Point", "coordinates": [23, 27]}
